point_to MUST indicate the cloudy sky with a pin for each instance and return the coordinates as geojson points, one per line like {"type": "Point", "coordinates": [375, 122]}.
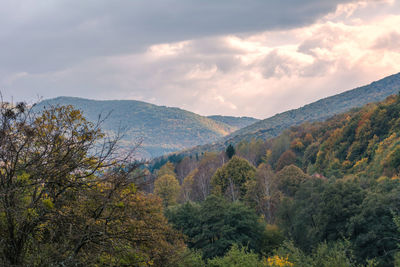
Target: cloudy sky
{"type": "Point", "coordinates": [230, 57]}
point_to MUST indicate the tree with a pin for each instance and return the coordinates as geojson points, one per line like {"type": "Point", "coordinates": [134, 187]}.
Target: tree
{"type": "Point", "coordinates": [143, 236]}
{"type": "Point", "coordinates": [253, 151]}
{"type": "Point", "coordinates": [373, 230]}
{"type": "Point", "coordinates": [167, 188]}
{"type": "Point", "coordinates": [297, 145]}
{"type": "Point", "coordinates": [280, 145]}
{"type": "Point", "coordinates": [186, 188]}
{"type": "Point", "coordinates": [320, 211]}
{"type": "Point", "coordinates": [184, 168]}
{"type": "Point", "coordinates": [216, 224]}
{"type": "Point", "coordinates": [237, 257]}
{"type": "Point", "coordinates": [287, 158]}
{"type": "Point", "coordinates": [396, 220]}
{"type": "Point", "coordinates": [392, 162]}
{"type": "Point", "coordinates": [67, 197]}
{"type": "Point", "coordinates": [230, 151]}
{"type": "Point", "coordinates": [201, 188]}
{"type": "Point", "coordinates": [310, 155]}
{"type": "Point", "coordinates": [167, 168]}
{"type": "Point", "coordinates": [190, 258]}
{"type": "Point", "coordinates": [263, 194]}
{"type": "Point", "coordinates": [290, 178]}
{"type": "Point", "coordinates": [334, 254]}
{"type": "Point", "coordinates": [230, 179]}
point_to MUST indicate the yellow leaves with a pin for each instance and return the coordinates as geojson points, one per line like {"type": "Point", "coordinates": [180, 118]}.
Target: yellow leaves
{"type": "Point", "coordinates": [297, 144]}
{"type": "Point", "coordinates": [167, 169]}
{"type": "Point", "coordinates": [277, 261]}
{"type": "Point", "coordinates": [132, 188]}
{"type": "Point", "coordinates": [92, 161]}
{"type": "Point", "coordinates": [40, 231]}
{"type": "Point", "coordinates": [382, 179]}
{"type": "Point", "coordinates": [68, 121]}
{"type": "Point", "coordinates": [48, 203]}
{"type": "Point", "coordinates": [119, 204]}
{"type": "Point", "coordinates": [389, 101]}
{"type": "Point", "coordinates": [336, 135]}
{"type": "Point", "coordinates": [347, 164]}
{"type": "Point", "coordinates": [361, 163]}
{"type": "Point", "coordinates": [167, 188]}
{"type": "Point", "coordinates": [24, 177]}
{"type": "Point", "coordinates": [31, 213]}
{"type": "Point", "coordinates": [268, 154]}
{"type": "Point", "coordinates": [2, 216]}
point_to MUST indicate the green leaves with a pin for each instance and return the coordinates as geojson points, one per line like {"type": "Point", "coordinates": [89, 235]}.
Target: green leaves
{"type": "Point", "coordinates": [168, 189]}
{"type": "Point", "coordinates": [237, 257]}
{"type": "Point", "coordinates": [216, 224]}
{"type": "Point", "coordinates": [230, 179]}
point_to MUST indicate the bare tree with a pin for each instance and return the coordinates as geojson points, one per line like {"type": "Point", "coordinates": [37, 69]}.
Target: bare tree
{"type": "Point", "coordinates": [263, 192]}
{"type": "Point", "coordinates": [202, 176]}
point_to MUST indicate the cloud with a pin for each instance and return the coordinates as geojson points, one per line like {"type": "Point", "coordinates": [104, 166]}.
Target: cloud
{"type": "Point", "coordinates": [51, 35]}
{"type": "Point", "coordinates": [214, 61]}
{"type": "Point", "coordinates": [389, 42]}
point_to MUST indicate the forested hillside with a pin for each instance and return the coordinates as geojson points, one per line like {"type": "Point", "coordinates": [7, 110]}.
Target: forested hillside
{"type": "Point", "coordinates": [320, 194]}
{"type": "Point", "coordinates": [161, 129]}
{"type": "Point", "coordinates": [328, 193]}
{"type": "Point", "coordinates": [317, 111]}
{"type": "Point", "coordinates": [238, 122]}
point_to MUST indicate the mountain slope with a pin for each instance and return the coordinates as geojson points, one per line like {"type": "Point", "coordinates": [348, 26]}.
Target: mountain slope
{"type": "Point", "coordinates": [238, 122]}
{"type": "Point", "coordinates": [322, 109]}
{"type": "Point", "coordinates": [364, 142]}
{"type": "Point", "coordinates": [317, 111]}
{"type": "Point", "coordinates": [161, 129]}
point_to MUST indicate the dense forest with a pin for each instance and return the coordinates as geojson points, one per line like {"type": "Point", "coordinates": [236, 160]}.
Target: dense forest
{"type": "Point", "coordinates": [320, 194]}
{"type": "Point", "coordinates": [328, 194]}
{"type": "Point", "coordinates": [316, 111]}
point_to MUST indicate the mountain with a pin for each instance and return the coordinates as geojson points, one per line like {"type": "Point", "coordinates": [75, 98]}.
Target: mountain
{"type": "Point", "coordinates": [238, 122]}
{"type": "Point", "coordinates": [364, 142]}
{"type": "Point", "coordinates": [345, 171]}
{"type": "Point", "coordinates": [161, 129]}
{"type": "Point", "coordinates": [316, 111]}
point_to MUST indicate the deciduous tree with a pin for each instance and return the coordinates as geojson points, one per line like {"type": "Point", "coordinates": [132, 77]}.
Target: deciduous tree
{"type": "Point", "coordinates": [168, 189]}
{"type": "Point", "coordinates": [67, 198]}
{"type": "Point", "coordinates": [230, 179]}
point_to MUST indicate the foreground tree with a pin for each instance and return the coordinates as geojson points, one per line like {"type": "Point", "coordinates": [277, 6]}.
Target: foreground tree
{"type": "Point", "coordinates": [66, 197]}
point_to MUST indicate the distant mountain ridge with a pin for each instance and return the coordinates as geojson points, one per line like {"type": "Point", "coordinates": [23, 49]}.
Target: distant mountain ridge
{"type": "Point", "coordinates": [316, 111]}
{"type": "Point", "coordinates": [238, 122]}
{"type": "Point", "coordinates": [161, 129]}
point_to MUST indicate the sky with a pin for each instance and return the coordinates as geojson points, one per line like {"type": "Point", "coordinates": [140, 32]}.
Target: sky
{"type": "Point", "coordinates": [240, 58]}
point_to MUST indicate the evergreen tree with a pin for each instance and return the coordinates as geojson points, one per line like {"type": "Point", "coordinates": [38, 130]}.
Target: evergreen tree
{"type": "Point", "coordinates": [230, 151]}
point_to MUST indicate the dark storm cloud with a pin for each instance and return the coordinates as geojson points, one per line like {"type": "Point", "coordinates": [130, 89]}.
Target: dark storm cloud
{"type": "Point", "coordinates": [41, 36]}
